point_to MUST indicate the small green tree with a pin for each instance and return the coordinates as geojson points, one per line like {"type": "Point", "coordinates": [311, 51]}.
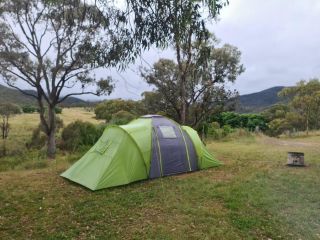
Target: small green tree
{"type": "Point", "coordinates": [6, 111]}
{"type": "Point", "coordinates": [196, 93]}
{"type": "Point", "coordinates": [305, 99]}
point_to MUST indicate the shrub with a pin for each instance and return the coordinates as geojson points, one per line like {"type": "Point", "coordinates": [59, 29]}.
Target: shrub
{"type": "Point", "coordinates": [29, 109]}
{"type": "Point", "coordinates": [278, 126]}
{"type": "Point", "coordinates": [215, 125]}
{"type": "Point", "coordinates": [105, 110]}
{"type": "Point", "coordinates": [202, 129]}
{"type": "Point", "coordinates": [58, 110]}
{"type": "Point", "coordinates": [122, 117]}
{"type": "Point", "coordinates": [79, 134]}
{"type": "Point", "coordinates": [215, 132]}
{"type": "Point", "coordinates": [227, 129]}
{"type": "Point", "coordinates": [38, 138]}
{"type": "Point", "coordinates": [236, 120]}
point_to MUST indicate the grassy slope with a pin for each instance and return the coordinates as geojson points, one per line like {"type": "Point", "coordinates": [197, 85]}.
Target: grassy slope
{"type": "Point", "coordinates": [253, 196]}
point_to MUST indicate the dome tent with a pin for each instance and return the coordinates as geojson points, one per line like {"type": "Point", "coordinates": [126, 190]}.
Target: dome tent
{"type": "Point", "coordinates": [151, 146]}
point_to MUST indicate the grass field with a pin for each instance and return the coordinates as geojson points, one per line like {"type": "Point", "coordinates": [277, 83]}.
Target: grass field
{"type": "Point", "coordinates": [252, 196]}
{"type": "Point", "coordinates": [19, 157]}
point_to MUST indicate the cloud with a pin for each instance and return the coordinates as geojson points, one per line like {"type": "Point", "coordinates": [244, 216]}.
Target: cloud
{"type": "Point", "coordinates": [278, 40]}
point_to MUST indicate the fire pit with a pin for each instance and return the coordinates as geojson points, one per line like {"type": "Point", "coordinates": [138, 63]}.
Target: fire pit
{"type": "Point", "coordinates": [296, 159]}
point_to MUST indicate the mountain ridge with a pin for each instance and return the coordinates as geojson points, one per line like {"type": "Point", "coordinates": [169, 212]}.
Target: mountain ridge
{"type": "Point", "coordinates": [11, 95]}
{"type": "Point", "coordinates": [259, 101]}
{"type": "Point", "coordinates": [247, 103]}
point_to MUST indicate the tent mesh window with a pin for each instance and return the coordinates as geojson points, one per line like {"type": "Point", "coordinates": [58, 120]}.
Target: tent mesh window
{"type": "Point", "coordinates": [167, 132]}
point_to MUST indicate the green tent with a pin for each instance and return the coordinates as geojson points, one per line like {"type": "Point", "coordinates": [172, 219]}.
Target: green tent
{"type": "Point", "coordinates": [151, 146]}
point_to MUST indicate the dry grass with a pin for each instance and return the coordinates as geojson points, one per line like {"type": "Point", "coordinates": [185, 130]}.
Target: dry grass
{"type": "Point", "coordinates": [21, 128]}
{"type": "Point", "coordinates": [71, 114]}
{"type": "Point", "coordinates": [252, 196]}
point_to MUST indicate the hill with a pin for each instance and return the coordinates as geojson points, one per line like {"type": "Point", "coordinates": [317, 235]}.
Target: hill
{"type": "Point", "coordinates": [254, 102]}
{"type": "Point", "coordinates": [14, 96]}
{"type": "Point", "coordinates": [257, 102]}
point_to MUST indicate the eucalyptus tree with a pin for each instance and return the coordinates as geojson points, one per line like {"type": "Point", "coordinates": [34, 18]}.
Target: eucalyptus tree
{"type": "Point", "coordinates": [176, 24]}
{"type": "Point", "coordinates": [53, 45]}
{"type": "Point", "coordinates": [304, 99]}
{"type": "Point", "coordinates": [205, 81]}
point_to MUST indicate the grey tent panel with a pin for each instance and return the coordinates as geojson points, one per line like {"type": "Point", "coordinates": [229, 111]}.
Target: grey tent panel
{"type": "Point", "coordinates": [170, 149]}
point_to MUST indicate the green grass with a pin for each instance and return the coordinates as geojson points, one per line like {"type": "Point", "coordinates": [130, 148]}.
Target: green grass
{"type": "Point", "coordinates": [252, 196]}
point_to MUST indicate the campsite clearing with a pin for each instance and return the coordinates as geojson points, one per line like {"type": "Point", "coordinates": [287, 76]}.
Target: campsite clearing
{"type": "Point", "coordinates": [252, 196]}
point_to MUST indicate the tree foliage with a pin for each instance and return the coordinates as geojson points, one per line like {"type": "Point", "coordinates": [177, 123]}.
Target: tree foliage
{"type": "Point", "coordinates": [6, 111]}
{"type": "Point", "coordinates": [205, 80]}
{"type": "Point", "coordinates": [54, 45]}
{"type": "Point", "coordinates": [236, 120]}
{"type": "Point", "coordinates": [105, 110]}
{"type": "Point", "coordinates": [177, 24]}
{"type": "Point", "coordinates": [305, 102]}
{"type": "Point", "coordinates": [162, 23]}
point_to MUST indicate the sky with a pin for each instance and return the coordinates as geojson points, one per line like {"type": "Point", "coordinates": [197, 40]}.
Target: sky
{"type": "Point", "coordinates": [279, 41]}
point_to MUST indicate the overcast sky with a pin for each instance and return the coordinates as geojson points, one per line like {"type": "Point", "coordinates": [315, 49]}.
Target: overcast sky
{"type": "Point", "coordinates": [279, 41]}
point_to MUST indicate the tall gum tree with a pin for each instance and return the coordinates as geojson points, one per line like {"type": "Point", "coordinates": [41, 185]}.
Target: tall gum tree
{"type": "Point", "coordinates": [176, 24]}
{"type": "Point", "coordinates": [53, 45]}
{"type": "Point", "coordinates": [206, 74]}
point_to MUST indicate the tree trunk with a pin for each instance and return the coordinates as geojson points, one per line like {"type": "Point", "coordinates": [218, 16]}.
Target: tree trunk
{"type": "Point", "coordinates": [51, 135]}
{"type": "Point", "coordinates": [183, 100]}
{"type": "Point", "coordinates": [307, 128]}
{"type": "Point", "coordinates": [51, 145]}
{"type": "Point", "coordinates": [4, 149]}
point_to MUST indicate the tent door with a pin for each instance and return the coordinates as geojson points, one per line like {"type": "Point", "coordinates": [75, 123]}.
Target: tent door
{"type": "Point", "coordinates": [172, 150]}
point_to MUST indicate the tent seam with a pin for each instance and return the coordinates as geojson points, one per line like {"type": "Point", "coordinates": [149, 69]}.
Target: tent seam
{"type": "Point", "coordinates": [187, 151]}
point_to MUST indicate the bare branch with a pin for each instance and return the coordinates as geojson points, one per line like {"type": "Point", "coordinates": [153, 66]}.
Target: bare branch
{"type": "Point", "coordinates": [22, 91]}
{"type": "Point", "coordinates": [76, 94]}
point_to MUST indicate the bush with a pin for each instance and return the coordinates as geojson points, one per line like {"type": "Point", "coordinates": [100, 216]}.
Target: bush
{"type": "Point", "coordinates": [122, 117]}
{"type": "Point", "coordinates": [215, 132]}
{"type": "Point", "coordinates": [227, 129]}
{"type": "Point", "coordinates": [58, 110]}
{"type": "Point", "coordinates": [105, 110]}
{"type": "Point", "coordinates": [236, 120]}
{"type": "Point", "coordinates": [277, 127]}
{"type": "Point", "coordinates": [29, 109]}
{"type": "Point", "coordinates": [39, 138]}
{"type": "Point", "coordinates": [79, 134]}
